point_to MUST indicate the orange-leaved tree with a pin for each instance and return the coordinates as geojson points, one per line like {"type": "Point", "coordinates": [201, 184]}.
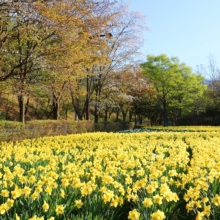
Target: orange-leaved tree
{"type": "Point", "coordinates": [78, 26]}
{"type": "Point", "coordinates": [54, 38]}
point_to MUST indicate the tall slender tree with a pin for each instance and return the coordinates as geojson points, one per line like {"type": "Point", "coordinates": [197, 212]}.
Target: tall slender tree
{"type": "Point", "coordinates": [124, 41]}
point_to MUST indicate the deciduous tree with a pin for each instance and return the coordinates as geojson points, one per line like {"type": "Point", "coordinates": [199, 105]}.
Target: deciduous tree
{"type": "Point", "coordinates": [175, 84]}
{"type": "Point", "coordinates": [124, 41]}
{"type": "Point", "coordinates": [51, 35]}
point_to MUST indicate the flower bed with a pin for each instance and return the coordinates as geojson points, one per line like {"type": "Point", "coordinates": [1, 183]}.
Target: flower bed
{"type": "Point", "coordinates": [156, 175]}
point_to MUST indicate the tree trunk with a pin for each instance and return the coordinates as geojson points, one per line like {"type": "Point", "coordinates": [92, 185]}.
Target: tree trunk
{"type": "Point", "coordinates": [140, 120]}
{"type": "Point", "coordinates": [7, 108]}
{"type": "Point", "coordinates": [76, 117]}
{"type": "Point", "coordinates": [56, 110]}
{"type": "Point", "coordinates": [96, 115]}
{"type": "Point", "coordinates": [124, 114]}
{"type": "Point", "coordinates": [96, 108]}
{"type": "Point", "coordinates": [135, 119]}
{"type": "Point", "coordinates": [76, 108]}
{"type": "Point", "coordinates": [66, 113]}
{"type": "Point", "coordinates": [165, 116]}
{"type": "Point", "coordinates": [26, 106]}
{"type": "Point", "coordinates": [87, 98]}
{"type": "Point", "coordinates": [78, 114]}
{"type": "Point", "coordinates": [21, 108]}
{"type": "Point", "coordinates": [7, 113]}
{"type": "Point", "coordinates": [106, 115]}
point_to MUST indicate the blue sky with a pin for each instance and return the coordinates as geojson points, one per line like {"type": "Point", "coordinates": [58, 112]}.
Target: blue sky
{"type": "Point", "coordinates": [187, 29]}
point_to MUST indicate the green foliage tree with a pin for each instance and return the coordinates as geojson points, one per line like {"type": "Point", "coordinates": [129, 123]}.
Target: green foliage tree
{"type": "Point", "coordinates": [175, 84]}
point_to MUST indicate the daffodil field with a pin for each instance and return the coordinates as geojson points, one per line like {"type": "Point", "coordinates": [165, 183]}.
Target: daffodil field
{"type": "Point", "coordinates": [96, 176]}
